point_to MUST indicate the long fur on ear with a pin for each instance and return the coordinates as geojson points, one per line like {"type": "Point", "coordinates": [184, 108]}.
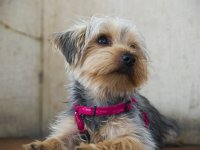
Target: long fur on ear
{"type": "Point", "coordinates": [70, 43]}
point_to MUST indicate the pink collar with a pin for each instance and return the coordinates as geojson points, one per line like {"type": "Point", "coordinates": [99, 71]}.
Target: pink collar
{"type": "Point", "coordinates": [104, 111]}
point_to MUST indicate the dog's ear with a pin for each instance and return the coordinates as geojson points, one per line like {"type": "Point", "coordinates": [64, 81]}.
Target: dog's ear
{"type": "Point", "coordinates": [70, 42]}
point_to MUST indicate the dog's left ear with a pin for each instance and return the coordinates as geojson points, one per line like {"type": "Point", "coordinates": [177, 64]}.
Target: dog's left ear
{"type": "Point", "coordinates": [70, 42]}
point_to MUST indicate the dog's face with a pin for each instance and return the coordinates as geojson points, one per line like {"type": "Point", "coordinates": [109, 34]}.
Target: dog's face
{"type": "Point", "coordinates": [105, 54]}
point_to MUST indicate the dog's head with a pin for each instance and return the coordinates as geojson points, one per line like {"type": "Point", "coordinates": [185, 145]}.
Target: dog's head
{"type": "Point", "coordinates": [105, 54]}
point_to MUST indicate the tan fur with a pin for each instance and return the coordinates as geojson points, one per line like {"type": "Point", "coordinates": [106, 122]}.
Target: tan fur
{"type": "Point", "coordinates": [118, 126]}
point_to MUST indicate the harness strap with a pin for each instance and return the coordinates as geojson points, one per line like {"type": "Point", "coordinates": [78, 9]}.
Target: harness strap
{"type": "Point", "coordinates": [103, 111]}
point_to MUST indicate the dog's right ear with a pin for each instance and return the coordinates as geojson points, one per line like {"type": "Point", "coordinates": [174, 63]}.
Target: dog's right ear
{"type": "Point", "coordinates": [70, 42]}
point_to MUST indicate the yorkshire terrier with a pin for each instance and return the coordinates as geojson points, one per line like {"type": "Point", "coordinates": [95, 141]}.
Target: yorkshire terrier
{"type": "Point", "coordinates": [107, 63]}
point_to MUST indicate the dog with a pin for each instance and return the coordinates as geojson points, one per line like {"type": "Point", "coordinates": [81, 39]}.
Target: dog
{"type": "Point", "coordinates": [107, 63]}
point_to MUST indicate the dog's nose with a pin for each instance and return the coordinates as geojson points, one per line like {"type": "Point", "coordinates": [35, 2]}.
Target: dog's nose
{"type": "Point", "coordinates": [128, 59]}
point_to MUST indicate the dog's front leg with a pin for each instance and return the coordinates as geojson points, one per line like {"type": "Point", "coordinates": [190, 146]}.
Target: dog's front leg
{"type": "Point", "coordinates": [49, 144]}
{"type": "Point", "coordinates": [123, 143]}
{"type": "Point", "coordinates": [63, 137]}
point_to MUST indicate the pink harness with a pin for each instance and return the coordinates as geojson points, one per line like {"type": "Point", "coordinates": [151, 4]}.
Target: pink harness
{"type": "Point", "coordinates": [104, 111]}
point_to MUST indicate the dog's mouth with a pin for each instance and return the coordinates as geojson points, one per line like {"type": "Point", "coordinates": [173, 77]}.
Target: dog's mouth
{"type": "Point", "coordinates": [123, 75]}
{"type": "Point", "coordinates": [123, 70]}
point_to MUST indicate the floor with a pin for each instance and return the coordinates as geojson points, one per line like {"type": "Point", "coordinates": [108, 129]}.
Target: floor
{"type": "Point", "coordinates": [16, 144]}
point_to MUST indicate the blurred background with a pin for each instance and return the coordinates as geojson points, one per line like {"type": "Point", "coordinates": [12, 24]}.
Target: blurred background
{"type": "Point", "coordinates": [32, 73]}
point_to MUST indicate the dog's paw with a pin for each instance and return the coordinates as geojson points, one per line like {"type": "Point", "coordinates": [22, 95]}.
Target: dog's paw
{"type": "Point", "coordinates": [37, 145]}
{"type": "Point", "coordinates": [84, 146]}
{"type": "Point", "coordinates": [49, 144]}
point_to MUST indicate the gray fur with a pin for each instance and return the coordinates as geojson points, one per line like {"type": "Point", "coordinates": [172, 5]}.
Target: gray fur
{"type": "Point", "coordinates": [160, 126]}
{"type": "Point", "coordinates": [67, 45]}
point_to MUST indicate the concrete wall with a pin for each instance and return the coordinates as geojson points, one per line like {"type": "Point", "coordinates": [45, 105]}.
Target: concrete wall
{"type": "Point", "coordinates": [171, 29]}
{"type": "Point", "coordinates": [20, 31]}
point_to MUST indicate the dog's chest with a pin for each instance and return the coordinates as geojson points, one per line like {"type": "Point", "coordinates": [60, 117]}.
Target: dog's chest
{"type": "Point", "coordinates": [105, 128]}
{"type": "Point", "coordinates": [94, 123]}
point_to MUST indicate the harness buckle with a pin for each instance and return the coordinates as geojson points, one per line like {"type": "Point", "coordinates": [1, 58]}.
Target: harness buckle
{"type": "Point", "coordinates": [94, 111]}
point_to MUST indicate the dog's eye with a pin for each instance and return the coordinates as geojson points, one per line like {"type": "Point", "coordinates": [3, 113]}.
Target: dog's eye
{"type": "Point", "coordinates": [103, 40]}
{"type": "Point", "coordinates": [133, 46]}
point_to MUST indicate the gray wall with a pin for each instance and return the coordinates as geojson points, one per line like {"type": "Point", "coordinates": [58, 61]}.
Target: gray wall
{"type": "Point", "coordinates": [20, 52]}
{"type": "Point", "coordinates": [32, 75]}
